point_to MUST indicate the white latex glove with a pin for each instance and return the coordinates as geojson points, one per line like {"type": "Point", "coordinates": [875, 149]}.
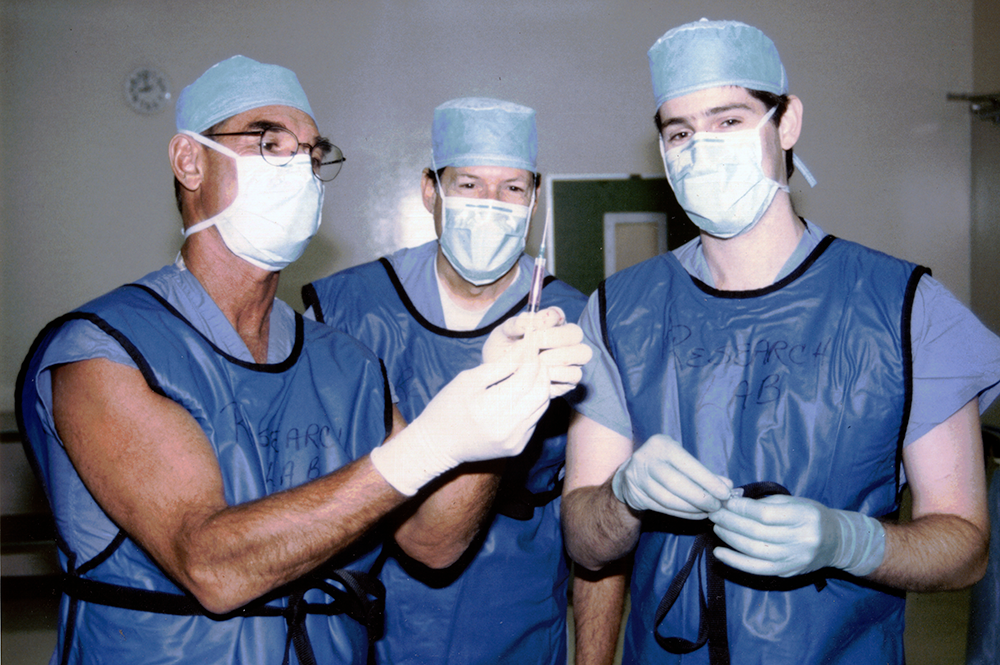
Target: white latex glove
{"type": "Point", "coordinates": [663, 477]}
{"type": "Point", "coordinates": [785, 536]}
{"type": "Point", "coordinates": [484, 413]}
{"type": "Point", "coordinates": [546, 335]}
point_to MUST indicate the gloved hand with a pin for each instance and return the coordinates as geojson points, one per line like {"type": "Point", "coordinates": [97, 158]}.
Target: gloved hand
{"type": "Point", "coordinates": [785, 536]}
{"type": "Point", "coordinates": [663, 477]}
{"type": "Point", "coordinates": [546, 336]}
{"type": "Point", "coordinates": [484, 413]}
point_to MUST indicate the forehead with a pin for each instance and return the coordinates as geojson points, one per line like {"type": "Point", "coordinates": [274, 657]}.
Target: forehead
{"type": "Point", "coordinates": [710, 101]}
{"type": "Point", "coordinates": [288, 117]}
{"type": "Point", "coordinates": [493, 173]}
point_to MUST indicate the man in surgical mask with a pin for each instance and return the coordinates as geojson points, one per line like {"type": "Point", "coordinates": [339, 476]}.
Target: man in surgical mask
{"type": "Point", "coordinates": [428, 312]}
{"type": "Point", "coordinates": [216, 464]}
{"type": "Point", "coordinates": [761, 394]}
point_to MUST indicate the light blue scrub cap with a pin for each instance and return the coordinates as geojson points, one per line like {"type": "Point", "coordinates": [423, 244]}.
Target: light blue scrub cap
{"type": "Point", "coordinates": [236, 85]}
{"type": "Point", "coordinates": [708, 54]}
{"type": "Point", "coordinates": [476, 131]}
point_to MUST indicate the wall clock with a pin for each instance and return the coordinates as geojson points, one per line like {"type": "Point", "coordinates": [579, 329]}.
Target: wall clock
{"type": "Point", "coordinates": [147, 90]}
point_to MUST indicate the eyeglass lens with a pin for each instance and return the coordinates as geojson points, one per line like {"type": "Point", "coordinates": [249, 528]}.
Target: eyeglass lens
{"type": "Point", "coordinates": [278, 145]}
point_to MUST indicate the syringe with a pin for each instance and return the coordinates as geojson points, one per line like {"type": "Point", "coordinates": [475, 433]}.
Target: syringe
{"type": "Point", "coordinates": [538, 274]}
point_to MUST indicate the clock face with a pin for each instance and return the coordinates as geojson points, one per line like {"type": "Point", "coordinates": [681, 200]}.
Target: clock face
{"type": "Point", "coordinates": [147, 90]}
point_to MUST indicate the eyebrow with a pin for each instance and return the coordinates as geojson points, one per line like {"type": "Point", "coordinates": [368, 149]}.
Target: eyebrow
{"type": "Point", "coordinates": [715, 110]}
{"type": "Point", "coordinates": [263, 125]}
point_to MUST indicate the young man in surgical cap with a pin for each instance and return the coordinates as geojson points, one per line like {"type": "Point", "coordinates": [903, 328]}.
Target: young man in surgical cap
{"type": "Point", "coordinates": [762, 393]}
{"type": "Point", "coordinates": [428, 313]}
{"type": "Point", "coordinates": [214, 461]}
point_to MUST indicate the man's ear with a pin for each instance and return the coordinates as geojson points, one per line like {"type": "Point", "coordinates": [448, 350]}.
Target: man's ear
{"type": "Point", "coordinates": [791, 123]}
{"type": "Point", "coordinates": [186, 161]}
{"type": "Point", "coordinates": [428, 190]}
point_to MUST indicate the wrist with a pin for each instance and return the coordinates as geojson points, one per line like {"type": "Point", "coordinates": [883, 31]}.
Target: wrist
{"type": "Point", "coordinates": [862, 543]}
{"type": "Point", "coordinates": [410, 459]}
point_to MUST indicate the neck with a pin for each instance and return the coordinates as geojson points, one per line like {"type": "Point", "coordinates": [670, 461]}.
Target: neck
{"type": "Point", "coordinates": [244, 292]}
{"type": "Point", "coordinates": [753, 259]}
{"type": "Point", "coordinates": [468, 295]}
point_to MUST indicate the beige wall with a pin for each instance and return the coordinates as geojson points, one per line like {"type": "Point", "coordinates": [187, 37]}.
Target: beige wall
{"type": "Point", "coordinates": [85, 194]}
{"type": "Point", "coordinates": [985, 285]}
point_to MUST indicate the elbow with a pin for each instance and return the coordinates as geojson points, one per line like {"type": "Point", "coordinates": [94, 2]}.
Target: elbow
{"type": "Point", "coordinates": [436, 556]}
{"type": "Point", "coordinates": [218, 588]}
{"type": "Point", "coordinates": [597, 531]}
{"type": "Point", "coordinates": [213, 592]}
{"type": "Point", "coordinates": [584, 559]}
{"type": "Point", "coordinates": [975, 569]}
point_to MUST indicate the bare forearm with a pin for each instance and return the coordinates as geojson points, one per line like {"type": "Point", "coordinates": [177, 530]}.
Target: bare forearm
{"type": "Point", "coordinates": [598, 605]}
{"type": "Point", "coordinates": [933, 553]}
{"type": "Point", "coordinates": [945, 545]}
{"type": "Point", "coordinates": [441, 528]}
{"type": "Point", "coordinates": [244, 551]}
{"type": "Point", "coordinates": [598, 528]}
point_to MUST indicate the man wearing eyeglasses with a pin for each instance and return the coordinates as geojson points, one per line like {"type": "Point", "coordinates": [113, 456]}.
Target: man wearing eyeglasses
{"type": "Point", "coordinates": [212, 459]}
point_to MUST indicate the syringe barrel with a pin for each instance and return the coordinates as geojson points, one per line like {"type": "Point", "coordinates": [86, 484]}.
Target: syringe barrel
{"type": "Point", "coordinates": [535, 293]}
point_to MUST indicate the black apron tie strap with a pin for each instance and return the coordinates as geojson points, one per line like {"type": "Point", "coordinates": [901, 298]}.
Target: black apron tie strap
{"type": "Point", "coordinates": [295, 617]}
{"type": "Point", "coordinates": [712, 601]}
{"type": "Point", "coordinates": [362, 598]}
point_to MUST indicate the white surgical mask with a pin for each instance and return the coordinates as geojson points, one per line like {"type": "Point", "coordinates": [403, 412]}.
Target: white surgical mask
{"type": "Point", "coordinates": [483, 238]}
{"type": "Point", "coordinates": [276, 212]}
{"type": "Point", "coordinates": [718, 179]}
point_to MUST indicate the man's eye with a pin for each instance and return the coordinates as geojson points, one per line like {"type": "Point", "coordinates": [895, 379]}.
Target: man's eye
{"type": "Point", "coordinates": [677, 137]}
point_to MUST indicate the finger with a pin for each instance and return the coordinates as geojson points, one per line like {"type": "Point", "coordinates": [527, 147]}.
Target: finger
{"type": "Point", "coordinates": [550, 317]}
{"type": "Point", "coordinates": [691, 468]}
{"type": "Point", "coordinates": [564, 335]}
{"type": "Point", "coordinates": [578, 355]}
{"type": "Point", "coordinates": [570, 375]}
{"type": "Point", "coordinates": [659, 499]}
{"type": "Point", "coordinates": [487, 375]}
{"type": "Point", "coordinates": [515, 327]}
{"type": "Point", "coordinates": [529, 387]}
{"type": "Point", "coordinates": [678, 491]}
{"type": "Point", "coordinates": [775, 511]}
{"type": "Point", "coordinates": [746, 563]}
{"type": "Point", "coordinates": [525, 322]}
{"type": "Point", "coordinates": [749, 527]}
{"type": "Point", "coordinates": [761, 545]}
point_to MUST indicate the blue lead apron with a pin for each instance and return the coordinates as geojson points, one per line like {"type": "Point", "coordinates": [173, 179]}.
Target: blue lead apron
{"type": "Point", "coordinates": [271, 429]}
{"type": "Point", "coordinates": [806, 384]}
{"type": "Point", "coordinates": [505, 600]}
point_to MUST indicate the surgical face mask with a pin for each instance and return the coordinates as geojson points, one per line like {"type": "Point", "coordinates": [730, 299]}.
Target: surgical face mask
{"type": "Point", "coordinates": [276, 212]}
{"type": "Point", "coordinates": [482, 238]}
{"type": "Point", "coordinates": [718, 179]}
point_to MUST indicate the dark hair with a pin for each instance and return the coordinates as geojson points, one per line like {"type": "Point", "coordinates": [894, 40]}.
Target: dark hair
{"type": "Point", "coordinates": [780, 105]}
{"type": "Point", "coordinates": [769, 100]}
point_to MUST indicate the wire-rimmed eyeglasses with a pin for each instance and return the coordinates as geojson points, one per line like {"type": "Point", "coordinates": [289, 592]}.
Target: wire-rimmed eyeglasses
{"type": "Point", "coordinates": [279, 145]}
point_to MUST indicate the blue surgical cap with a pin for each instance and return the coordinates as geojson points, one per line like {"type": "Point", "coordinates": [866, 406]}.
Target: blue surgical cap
{"type": "Point", "coordinates": [236, 85]}
{"type": "Point", "coordinates": [708, 54]}
{"type": "Point", "coordinates": [475, 131]}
